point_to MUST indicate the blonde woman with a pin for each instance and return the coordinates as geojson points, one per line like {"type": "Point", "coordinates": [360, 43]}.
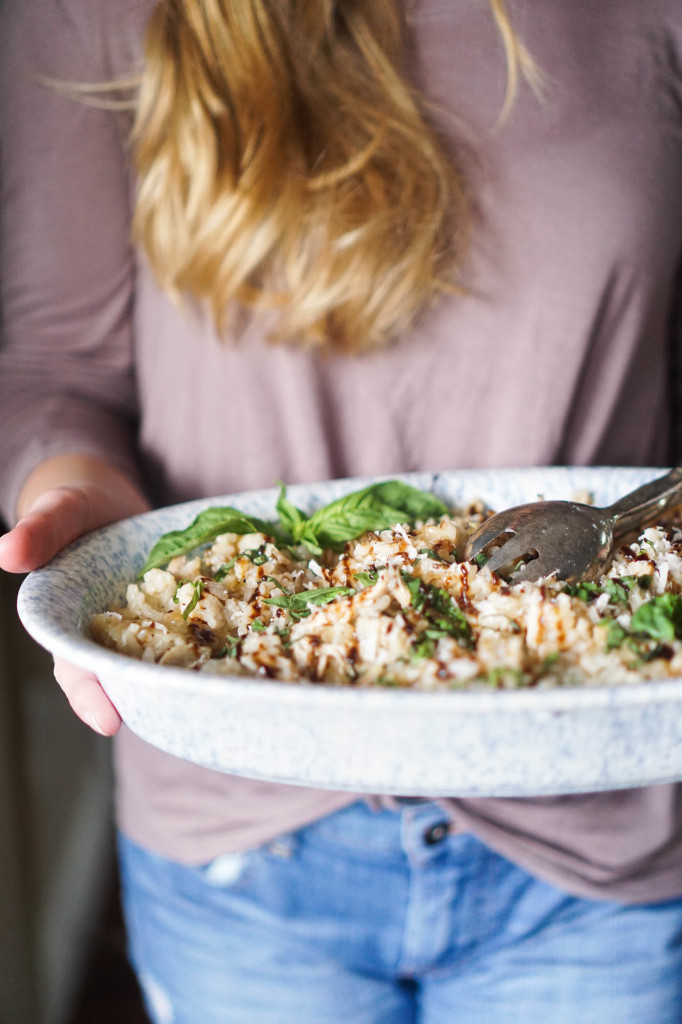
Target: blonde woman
{"type": "Point", "coordinates": [305, 239]}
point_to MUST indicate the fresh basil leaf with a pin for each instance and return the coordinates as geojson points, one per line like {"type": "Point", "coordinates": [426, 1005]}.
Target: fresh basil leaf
{"type": "Point", "coordinates": [208, 525]}
{"type": "Point", "coordinates": [410, 501]}
{"type": "Point", "coordinates": [292, 519]}
{"type": "Point", "coordinates": [660, 618]}
{"type": "Point", "coordinates": [376, 507]}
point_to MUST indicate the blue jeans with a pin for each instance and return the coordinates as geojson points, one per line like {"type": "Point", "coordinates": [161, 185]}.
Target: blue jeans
{"type": "Point", "coordinates": [383, 917]}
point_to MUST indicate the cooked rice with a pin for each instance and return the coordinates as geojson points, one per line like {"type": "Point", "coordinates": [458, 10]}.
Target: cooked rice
{"type": "Point", "coordinates": [414, 615]}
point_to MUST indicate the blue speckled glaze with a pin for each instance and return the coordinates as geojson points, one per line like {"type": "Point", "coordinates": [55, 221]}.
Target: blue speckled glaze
{"type": "Point", "coordinates": [515, 743]}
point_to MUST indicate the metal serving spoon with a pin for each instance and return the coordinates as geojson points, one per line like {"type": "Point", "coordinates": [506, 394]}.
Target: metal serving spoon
{"type": "Point", "coordinates": [567, 539]}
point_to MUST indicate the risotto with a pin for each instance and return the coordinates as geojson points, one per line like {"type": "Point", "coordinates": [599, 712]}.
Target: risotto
{"type": "Point", "coordinates": [397, 607]}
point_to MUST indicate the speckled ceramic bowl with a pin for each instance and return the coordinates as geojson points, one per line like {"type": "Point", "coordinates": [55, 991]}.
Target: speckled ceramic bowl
{"type": "Point", "coordinates": [512, 743]}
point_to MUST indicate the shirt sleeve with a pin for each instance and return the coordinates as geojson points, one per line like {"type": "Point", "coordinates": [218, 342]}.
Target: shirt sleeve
{"type": "Point", "coordinates": [67, 272]}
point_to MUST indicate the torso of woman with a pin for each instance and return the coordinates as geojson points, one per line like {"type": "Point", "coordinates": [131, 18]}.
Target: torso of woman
{"type": "Point", "coordinates": [563, 348]}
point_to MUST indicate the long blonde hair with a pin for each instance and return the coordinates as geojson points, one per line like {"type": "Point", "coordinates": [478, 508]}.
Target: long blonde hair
{"type": "Point", "coordinates": [284, 163]}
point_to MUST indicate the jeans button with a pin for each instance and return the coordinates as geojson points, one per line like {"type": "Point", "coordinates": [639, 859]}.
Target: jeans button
{"type": "Point", "coordinates": [436, 833]}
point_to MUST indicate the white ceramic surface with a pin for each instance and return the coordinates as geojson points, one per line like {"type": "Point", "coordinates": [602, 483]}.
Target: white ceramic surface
{"type": "Point", "coordinates": [524, 742]}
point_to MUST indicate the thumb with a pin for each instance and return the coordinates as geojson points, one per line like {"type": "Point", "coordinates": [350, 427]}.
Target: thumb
{"type": "Point", "coordinates": [55, 519]}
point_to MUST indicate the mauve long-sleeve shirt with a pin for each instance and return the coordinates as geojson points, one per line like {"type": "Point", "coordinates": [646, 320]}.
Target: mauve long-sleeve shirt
{"type": "Point", "coordinates": [564, 349]}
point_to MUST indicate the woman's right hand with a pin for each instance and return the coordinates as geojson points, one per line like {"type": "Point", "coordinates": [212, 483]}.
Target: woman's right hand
{"type": "Point", "coordinates": [64, 498]}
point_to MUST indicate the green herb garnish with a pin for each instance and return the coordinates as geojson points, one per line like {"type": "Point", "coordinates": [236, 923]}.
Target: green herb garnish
{"type": "Point", "coordinates": [376, 507]}
{"type": "Point", "coordinates": [230, 648]}
{"type": "Point", "coordinates": [617, 587]}
{"type": "Point", "coordinates": [660, 618]}
{"type": "Point", "coordinates": [434, 555]}
{"type": "Point", "coordinates": [256, 556]}
{"type": "Point", "coordinates": [225, 569]}
{"type": "Point", "coordinates": [297, 605]}
{"type": "Point", "coordinates": [198, 586]}
{"type": "Point", "coordinates": [293, 520]}
{"type": "Point", "coordinates": [368, 577]}
{"type": "Point", "coordinates": [443, 616]}
{"type": "Point", "coordinates": [208, 525]}
{"type": "Point", "coordinates": [584, 591]}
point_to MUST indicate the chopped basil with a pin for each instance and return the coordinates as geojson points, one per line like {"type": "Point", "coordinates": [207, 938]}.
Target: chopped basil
{"type": "Point", "coordinates": [297, 605]}
{"type": "Point", "coordinates": [225, 569]}
{"type": "Point", "coordinates": [423, 649]}
{"type": "Point", "coordinates": [433, 554]}
{"type": "Point", "coordinates": [615, 633]}
{"type": "Point", "coordinates": [617, 587]}
{"type": "Point", "coordinates": [257, 626]}
{"type": "Point", "coordinates": [367, 578]}
{"type": "Point", "coordinates": [660, 618]}
{"type": "Point", "coordinates": [480, 559]}
{"type": "Point", "coordinates": [443, 616]}
{"type": "Point", "coordinates": [230, 649]}
{"type": "Point", "coordinates": [585, 591]}
{"type": "Point", "coordinates": [256, 556]}
{"type": "Point", "coordinates": [198, 586]}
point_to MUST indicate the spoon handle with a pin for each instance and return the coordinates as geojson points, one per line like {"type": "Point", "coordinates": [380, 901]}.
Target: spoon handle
{"type": "Point", "coordinates": [643, 505]}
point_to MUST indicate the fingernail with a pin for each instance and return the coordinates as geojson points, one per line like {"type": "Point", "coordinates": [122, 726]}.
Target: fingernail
{"type": "Point", "coordinates": [93, 721]}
